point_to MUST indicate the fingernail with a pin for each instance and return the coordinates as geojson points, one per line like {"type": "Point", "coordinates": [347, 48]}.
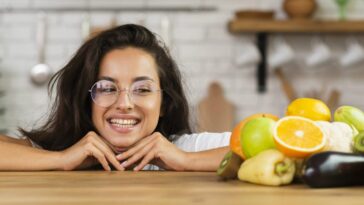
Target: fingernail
{"type": "Point", "coordinates": [118, 156]}
{"type": "Point", "coordinates": [124, 163]}
{"type": "Point", "coordinates": [121, 168]}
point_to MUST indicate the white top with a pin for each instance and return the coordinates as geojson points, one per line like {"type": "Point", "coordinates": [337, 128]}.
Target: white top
{"type": "Point", "coordinates": [191, 143]}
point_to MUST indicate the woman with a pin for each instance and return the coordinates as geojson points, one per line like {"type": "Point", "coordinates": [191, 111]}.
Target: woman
{"type": "Point", "coordinates": [119, 102]}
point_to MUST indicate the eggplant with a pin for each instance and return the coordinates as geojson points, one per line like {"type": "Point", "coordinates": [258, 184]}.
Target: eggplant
{"type": "Point", "coordinates": [333, 169]}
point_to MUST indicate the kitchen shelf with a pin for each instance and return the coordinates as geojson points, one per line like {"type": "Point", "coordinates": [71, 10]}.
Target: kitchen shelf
{"type": "Point", "coordinates": [109, 9]}
{"type": "Point", "coordinates": [262, 28]}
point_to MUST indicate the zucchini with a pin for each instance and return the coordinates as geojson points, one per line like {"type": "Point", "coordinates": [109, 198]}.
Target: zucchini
{"type": "Point", "coordinates": [333, 169]}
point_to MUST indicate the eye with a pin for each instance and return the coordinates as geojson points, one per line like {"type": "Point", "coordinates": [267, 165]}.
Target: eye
{"type": "Point", "coordinates": [106, 90]}
{"type": "Point", "coordinates": [142, 90]}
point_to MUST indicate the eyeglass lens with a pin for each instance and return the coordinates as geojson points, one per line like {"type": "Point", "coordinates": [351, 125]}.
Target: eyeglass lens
{"type": "Point", "coordinates": [105, 93]}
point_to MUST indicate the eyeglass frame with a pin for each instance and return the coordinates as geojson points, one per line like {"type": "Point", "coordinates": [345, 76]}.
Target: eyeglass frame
{"type": "Point", "coordinates": [127, 90]}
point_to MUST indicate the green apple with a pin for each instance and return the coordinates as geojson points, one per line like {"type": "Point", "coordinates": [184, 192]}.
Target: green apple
{"type": "Point", "coordinates": [257, 136]}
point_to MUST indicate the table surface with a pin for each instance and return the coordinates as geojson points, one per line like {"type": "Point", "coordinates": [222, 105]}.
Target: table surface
{"type": "Point", "coordinates": [101, 187]}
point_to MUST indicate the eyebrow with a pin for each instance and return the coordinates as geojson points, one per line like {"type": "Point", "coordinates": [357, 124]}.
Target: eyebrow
{"type": "Point", "coordinates": [140, 78]}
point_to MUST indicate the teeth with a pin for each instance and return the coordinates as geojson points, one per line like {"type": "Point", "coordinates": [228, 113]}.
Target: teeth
{"type": "Point", "coordinates": [123, 122]}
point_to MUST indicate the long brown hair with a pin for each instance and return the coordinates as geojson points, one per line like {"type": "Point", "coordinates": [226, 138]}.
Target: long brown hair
{"type": "Point", "coordinates": [70, 116]}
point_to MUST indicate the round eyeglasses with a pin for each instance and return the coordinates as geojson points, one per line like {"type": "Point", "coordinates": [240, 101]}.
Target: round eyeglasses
{"type": "Point", "coordinates": [104, 93]}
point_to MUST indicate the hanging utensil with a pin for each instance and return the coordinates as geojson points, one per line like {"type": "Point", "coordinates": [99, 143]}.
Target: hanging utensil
{"type": "Point", "coordinates": [334, 99]}
{"type": "Point", "coordinates": [286, 84]}
{"type": "Point", "coordinates": [41, 72]}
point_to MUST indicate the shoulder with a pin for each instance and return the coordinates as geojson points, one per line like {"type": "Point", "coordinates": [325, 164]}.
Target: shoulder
{"type": "Point", "coordinates": [201, 141]}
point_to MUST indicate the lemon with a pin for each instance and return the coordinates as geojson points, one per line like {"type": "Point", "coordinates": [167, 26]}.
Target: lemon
{"type": "Point", "coordinates": [311, 108]}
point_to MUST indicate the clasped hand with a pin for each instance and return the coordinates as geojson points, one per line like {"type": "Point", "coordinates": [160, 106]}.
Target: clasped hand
{"type": "Point", "coordinates": [154, 149]}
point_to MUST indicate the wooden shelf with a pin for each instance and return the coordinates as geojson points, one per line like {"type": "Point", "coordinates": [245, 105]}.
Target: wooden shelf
{"type": "Point", "coordinates": [295, 26]}
{"type": "Point", "coordinates": [264, 27]}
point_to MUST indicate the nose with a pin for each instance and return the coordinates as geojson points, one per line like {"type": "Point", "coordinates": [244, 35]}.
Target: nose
{"type": "Point", "coordinates": [124, 101]}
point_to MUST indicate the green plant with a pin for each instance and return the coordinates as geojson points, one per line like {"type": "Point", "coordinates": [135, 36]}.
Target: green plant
{"type": "Point", "coordinates": [342, 8]}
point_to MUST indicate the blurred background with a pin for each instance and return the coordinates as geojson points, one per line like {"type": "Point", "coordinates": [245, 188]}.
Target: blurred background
{"type": "Point", "coordinates": [217, 65]}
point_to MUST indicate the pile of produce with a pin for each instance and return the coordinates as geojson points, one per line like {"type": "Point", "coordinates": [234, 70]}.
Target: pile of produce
{"type": "Point", "coordinates": [306, 144]}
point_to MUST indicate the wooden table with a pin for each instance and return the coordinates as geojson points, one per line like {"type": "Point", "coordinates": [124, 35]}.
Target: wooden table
{"type": "Point", "coordinates": [101, 187]}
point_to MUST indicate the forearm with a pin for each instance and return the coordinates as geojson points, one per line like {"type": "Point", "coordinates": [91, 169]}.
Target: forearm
{"type": "Point", "coordinates": [14, 140]}
{"type": "Point", "coordinates": [208, 160]}
{"type": "Point", "coordinates": [21, 158]}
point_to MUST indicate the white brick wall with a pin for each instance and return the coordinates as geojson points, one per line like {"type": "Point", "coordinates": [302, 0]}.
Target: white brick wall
{"type": "Point", "coordinates": [200, 42]}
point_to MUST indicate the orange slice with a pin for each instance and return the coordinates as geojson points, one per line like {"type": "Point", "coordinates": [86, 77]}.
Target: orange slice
{"type": "Point", "coordinates": [298, 136]}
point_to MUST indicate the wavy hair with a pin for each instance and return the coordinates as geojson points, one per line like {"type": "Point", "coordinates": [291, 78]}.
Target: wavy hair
{"type": "Point", "coordinates": [70, 115]}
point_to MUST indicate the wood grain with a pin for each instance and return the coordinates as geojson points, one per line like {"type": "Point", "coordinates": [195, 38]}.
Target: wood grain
{"type": "Point", "coordinates": [295, 26]}
{"type": "Point", "coordinates": [101, 187]}
{"type": "Point", "coordinates": [215, 113]}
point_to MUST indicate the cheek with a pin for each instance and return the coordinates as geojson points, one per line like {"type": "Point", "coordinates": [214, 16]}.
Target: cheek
{"type": "Point", "coordinates": [153, 110]}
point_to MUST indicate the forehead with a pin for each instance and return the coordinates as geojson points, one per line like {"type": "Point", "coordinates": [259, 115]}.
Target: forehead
{"type": "Point", "coordinates": [128, 64]}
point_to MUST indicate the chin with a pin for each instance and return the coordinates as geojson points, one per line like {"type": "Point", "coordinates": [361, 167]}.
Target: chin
{"type": "Point", "coordinates": [121, 142]}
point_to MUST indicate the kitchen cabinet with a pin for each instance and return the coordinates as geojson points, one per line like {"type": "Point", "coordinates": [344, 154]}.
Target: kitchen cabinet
{"type": "Point", "coordinates": [263, 28]}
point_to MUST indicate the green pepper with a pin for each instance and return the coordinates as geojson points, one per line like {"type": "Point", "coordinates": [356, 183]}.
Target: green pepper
{"type": "Point", "coordinates": [269, 167]}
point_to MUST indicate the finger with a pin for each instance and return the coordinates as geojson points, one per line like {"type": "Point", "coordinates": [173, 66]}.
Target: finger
{"type": "Point", "coordinates": [149, 157]}
{"type": "Point", "coordinates": [95, 152]}
{"type": "Point", "coordinates": [137, 156]}
{"type": "Point", "coordinates": [110, 156]}
{"type": "Point", "coordinates": [108, 152]}
{"type": "Point", "coordinates": [140, 145]}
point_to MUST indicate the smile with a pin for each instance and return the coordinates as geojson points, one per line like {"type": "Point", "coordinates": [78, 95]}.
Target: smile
{"type": "Point", "coordinates": [123, 123]}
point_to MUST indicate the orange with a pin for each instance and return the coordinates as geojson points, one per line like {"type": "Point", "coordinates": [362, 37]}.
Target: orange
{"type": "Point", "coordinates": [235, 145]}
{"type": "Point", "coordinates": [298, 137]}
{"type": "Point", "coordinates": [311, 108]}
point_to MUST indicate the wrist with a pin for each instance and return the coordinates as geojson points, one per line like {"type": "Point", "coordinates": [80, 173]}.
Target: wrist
{"type": "Point", "coordinates": [56, 161]}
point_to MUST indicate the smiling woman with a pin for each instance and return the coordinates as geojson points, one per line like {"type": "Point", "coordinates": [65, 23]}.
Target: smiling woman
{"type": "Point", "coordinates": [119, 102]}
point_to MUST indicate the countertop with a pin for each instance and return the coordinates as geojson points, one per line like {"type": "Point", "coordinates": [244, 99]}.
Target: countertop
{"type": "Point", "coordinates": [148, 187]}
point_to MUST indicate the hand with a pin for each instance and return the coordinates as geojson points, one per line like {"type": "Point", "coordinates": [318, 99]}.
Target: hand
{"type": "Point", "coordinates": [90, 150]}
{"type": "Point", "coordinates": [157, 150]}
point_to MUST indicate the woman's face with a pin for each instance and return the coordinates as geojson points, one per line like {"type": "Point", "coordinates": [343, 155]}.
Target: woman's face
{"type": "Point", "coordinates": [129, 117]}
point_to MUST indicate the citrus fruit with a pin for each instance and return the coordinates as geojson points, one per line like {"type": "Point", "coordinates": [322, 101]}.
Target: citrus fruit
{"type": "Point", "coordinates": [235, 145]}
{"type": "Point", "coordinates": [257, 136]}
{"type": "Point", "coordinates": [310, 108]}
{"type": "Point", "coordinates": [298, 136]}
